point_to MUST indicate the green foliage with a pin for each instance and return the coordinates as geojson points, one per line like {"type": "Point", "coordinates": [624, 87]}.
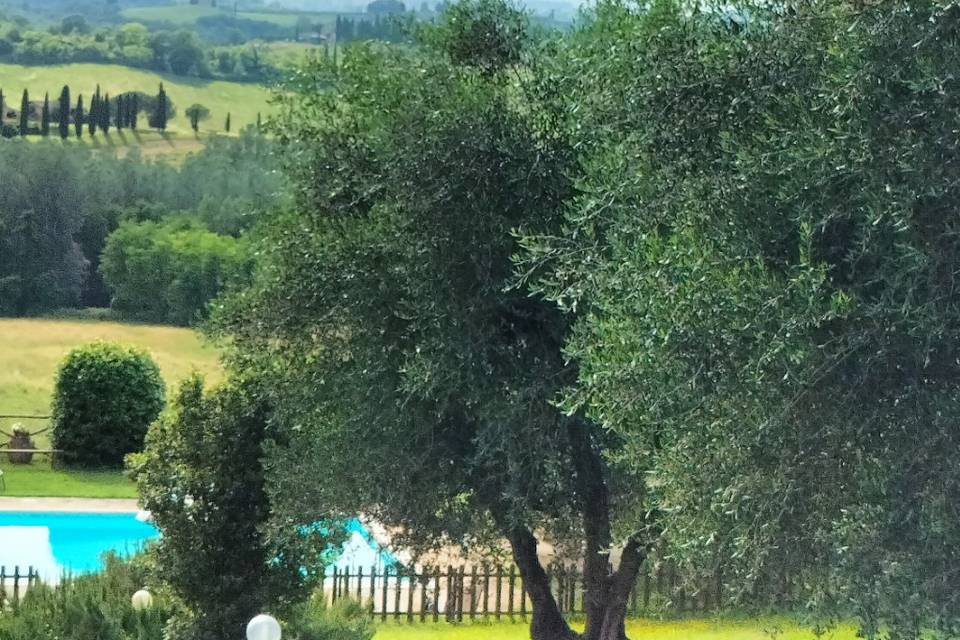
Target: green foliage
{"type": "Point", "coordinates": [106, 395]}
{"type": "Point", "coordinates": [383, 322]}
{"type": "Point", "coordinates": [196, 113]}
{"type": "Point", "coordinates": [202, 478]}
{"type": "Point", "coordinates": [90, 606]}
{"type": "Point", "coordinates": [169, 272]}
{"type": "Point", "coordinates": [346, 620]}
{"type": "Point", "coordinates": [758, 258]}
{"type": "Point", "coordinates": [489, 35]}
{"type": "Point", "coordinates": [54, 230]}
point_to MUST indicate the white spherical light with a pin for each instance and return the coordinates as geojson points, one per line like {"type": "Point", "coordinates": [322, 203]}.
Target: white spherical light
{"type": "Point", "coordinates": [263, 627]}
{"type": "Point", "coordinates": [141, 600]}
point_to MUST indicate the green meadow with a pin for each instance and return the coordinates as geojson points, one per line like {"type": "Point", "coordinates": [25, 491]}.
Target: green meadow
{"type": "Point", "coordinates": [30, 352]}
{"type": "Point", "coordinates": [242, 100]}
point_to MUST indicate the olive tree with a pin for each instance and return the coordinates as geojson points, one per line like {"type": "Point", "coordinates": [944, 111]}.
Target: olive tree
{"type": "Point", "coordinates": [761, 264]}
{"type": "Point", "coordinates": [415, 381]}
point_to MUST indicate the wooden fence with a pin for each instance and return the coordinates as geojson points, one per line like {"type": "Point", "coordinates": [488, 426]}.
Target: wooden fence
{"type": "Point", "coordinates": [497, 592]}
{"type": "Point", "coordinates": [14, 585]}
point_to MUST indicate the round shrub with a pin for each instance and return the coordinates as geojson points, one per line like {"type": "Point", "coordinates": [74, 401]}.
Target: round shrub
{"type": "Point", "coordinates": [106, 396]}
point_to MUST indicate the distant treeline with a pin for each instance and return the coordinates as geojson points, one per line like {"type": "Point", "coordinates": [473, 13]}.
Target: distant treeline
{"type": "Point", "coordinates": [82, 228]}
{"type": "Point", "coordinates": [392, 28]}
{"type": "Point", "coordinates": [124, 111]}
{"type": "Point", "coordinates": [178, 51]}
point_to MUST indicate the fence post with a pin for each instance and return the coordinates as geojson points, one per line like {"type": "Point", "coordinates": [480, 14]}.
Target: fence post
{"type": "Point", "coordinates": [16, 587]}
{"type": "Point", "coordinates": [373, 589]}
{"type": "Point", "coordinates": [436, 595]}
{"type": "Point", "coordinates": [396, 595]}
{"type": "Point", "coordinates": [386, 583]}
{"type": "Point", "coordinates": [462, 581]}
{"type": "Point", "coordinates": [499, 590]}
{"type": "Point", "coordinates": [424, 577]}
{"type": "Point", "coordinates": [510, 591]}
{"type": "Point", "coordinates": [336, 585]}
{"type": "Point", "coordinates": [359, 585]}
{"type": "Point", "coordinates": [473, 592]}
{"type": "Point", "coordinates": [451, 597]}
{"type": "Point", "coordinates": [411, 587]}
{"type": "Point", "coordinates": [486, 591]}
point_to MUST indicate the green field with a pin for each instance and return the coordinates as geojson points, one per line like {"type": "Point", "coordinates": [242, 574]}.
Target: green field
{"type": "Point", "coordinates": [243, 101]}
{"type": "Point", "coordinates": [636, 630]}
{"type": "Point", "coordinates": [188, 14]}
{"type": "Point", "coordinates": [183, 14]}
{"type": "Point", "coordinates": [30, 351]}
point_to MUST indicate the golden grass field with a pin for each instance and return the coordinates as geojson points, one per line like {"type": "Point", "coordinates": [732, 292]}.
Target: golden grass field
{"type": "Point", "coordinates": [31, 350]}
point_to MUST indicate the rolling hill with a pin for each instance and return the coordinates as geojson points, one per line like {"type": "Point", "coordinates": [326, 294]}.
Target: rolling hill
{"type": "Point", "coordinates": [243, 101]}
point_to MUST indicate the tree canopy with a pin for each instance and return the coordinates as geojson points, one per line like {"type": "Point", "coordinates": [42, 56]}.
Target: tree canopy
{"type": "Point", "coordinates": [678, 276]}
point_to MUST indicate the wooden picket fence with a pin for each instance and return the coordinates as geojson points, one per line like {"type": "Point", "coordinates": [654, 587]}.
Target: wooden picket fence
{"type": "Point", "coordinates": [497, 592]}
{"type": "Point", "coordinates": [14, 585]}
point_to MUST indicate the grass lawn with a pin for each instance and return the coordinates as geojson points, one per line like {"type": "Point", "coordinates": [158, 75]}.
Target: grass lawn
{"type": "Point", "coordinates": [31, 350]}
{"type": "Point", "coordinates": [242, 100]}
{"type": "Point", "coordinates": [39, 480]}
{"type": "Point", "coordinates": [636, 630]}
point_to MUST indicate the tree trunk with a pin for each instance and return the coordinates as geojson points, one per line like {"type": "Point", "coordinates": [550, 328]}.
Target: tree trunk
{"type": "Point", "coordinates": [547, 623]}
{"type": "Point", "coordinates": [595, 511]}
{"type": "Point", "coordinates": [607, 592]}
{"type": "Point", "coordinates": [618, 594]}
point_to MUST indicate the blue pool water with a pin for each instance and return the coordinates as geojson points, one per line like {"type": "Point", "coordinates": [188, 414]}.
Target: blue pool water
{"type": "Point", "coordinates": [54, 543]}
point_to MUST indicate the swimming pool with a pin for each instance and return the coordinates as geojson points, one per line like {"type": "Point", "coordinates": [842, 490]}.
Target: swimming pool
{"type": "Point", "coordinates": [54, 543]}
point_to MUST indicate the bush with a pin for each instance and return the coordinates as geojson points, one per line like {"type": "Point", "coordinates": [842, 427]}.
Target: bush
{"type": "Point", "coordinates": [90, 606]}
{"type": "Point", "coordinates": [168, 272]}
{"type": "Point", "coordinates": [106, 396]}
{"type": "Point", "coordinates": [202, 478]}
{"type": "Point", "coordinates": [347, 620]}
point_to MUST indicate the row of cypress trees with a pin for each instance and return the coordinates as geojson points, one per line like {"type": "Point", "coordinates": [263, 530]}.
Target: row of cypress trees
{"type": "Point", "coordinates": [122, 112]}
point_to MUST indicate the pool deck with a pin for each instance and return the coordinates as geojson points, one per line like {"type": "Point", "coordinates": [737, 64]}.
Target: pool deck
{"type": "Point", "coordinates": [74, 505]}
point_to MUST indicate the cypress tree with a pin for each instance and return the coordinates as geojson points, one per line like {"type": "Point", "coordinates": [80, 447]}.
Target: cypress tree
{"type": "Point", "coordinates": [78, 117]}
{"type": "Point", "coordinates": [259, 121]}
{"type": "Point", "coordinates": [105, 114]}
{"type": "Point", "coordinates": [24, 113]}
{"type": "Point", "coordinates": [3, 111]}
{"type": "Point", "coordinates": [65, 112]}
{"type": "Point", "coordinates": [121, 114]}
{"type": "Point", "coordinates": [93, 118]}
{"type": "Point", "coordinates": [161, 116]}
{"type": "Point", "coordinates": [134, 111]}
{"type": "Point", "coordinates": [45, 116]}
{"type": "Point", "coordinates": [227, 125]}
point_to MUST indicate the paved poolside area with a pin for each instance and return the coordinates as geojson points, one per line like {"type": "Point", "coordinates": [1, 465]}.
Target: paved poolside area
{"type": "Point", "coordinates": [74, 505]}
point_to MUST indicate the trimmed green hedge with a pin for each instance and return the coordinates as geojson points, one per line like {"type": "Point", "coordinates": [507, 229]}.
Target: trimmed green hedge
{"type": "Point", "coordinates": [106, 396]}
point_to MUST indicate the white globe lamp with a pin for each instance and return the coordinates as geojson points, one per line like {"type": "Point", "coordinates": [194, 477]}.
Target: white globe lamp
{"type": "Point", "coordinates": [263, 627]}
{"type": "Point", "coordinates": [141, 600]}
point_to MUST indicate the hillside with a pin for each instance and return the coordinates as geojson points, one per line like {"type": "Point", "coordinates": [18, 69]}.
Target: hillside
{"type": "Point", "coordinates": [182, 15]}
{"type": "Point", "coordinates": [243, 101]}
